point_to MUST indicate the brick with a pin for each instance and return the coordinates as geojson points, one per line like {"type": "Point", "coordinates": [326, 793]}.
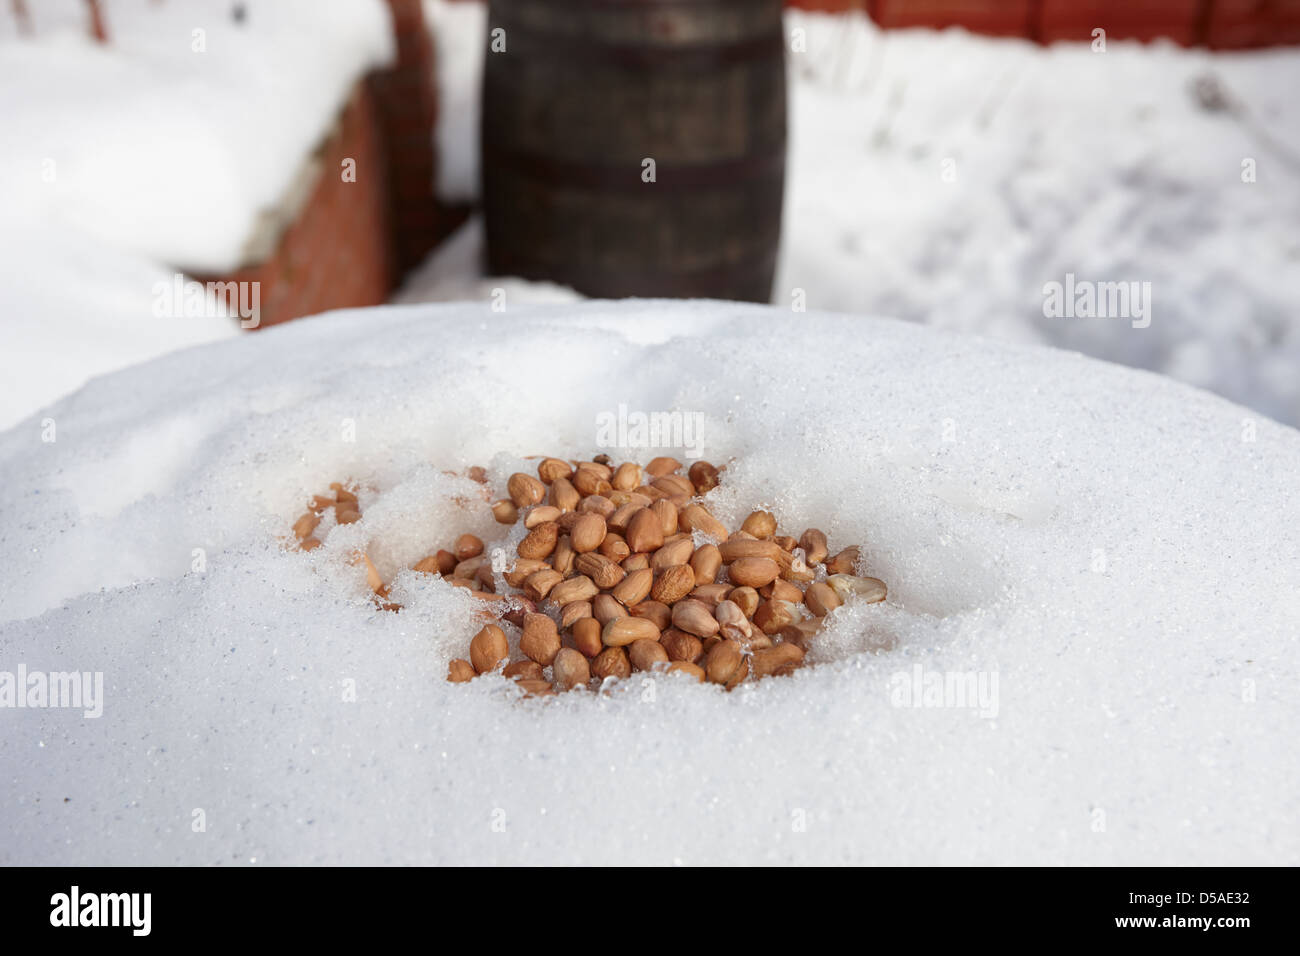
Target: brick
{"type": "Point", "coordinates": [1074, 20]}
{"type": "Point", "coordinates": [828, 6]}
{"type": "Point", "coordinates": [1244, 24]}
{"type": "Point", "coordinates": [994, 17]}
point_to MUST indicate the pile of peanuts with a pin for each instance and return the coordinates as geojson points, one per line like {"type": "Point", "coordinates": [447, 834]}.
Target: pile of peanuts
{"type": "Point", "coordinates": [625, 569]}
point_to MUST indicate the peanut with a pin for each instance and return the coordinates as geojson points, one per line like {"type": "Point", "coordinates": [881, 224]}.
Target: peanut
{"type": "Point", "coordinates": [773, 615]}
{"type": "Point", "coordinates": [659, 467]}
{"type": "Point", "coordinates": [588, 532]}
{"type": "Point", "coordinates": [733, 623]}
{"type": "Point", "coordinates": [624, 630]}
{"type": "Point", "coordinates": [540, 515]}
{"type": "Point", "coordinates": [761, 524]}
{"type": "Point", "coordinates": [540, 583]}
{"type": "Point", "coordinates": [777, 659]}
{"type": "Point", "coordinates": [673, 553]}
{"type": "Point", "coordinates": [304, 526]}
{"type": "Point", "coordinates": [459, 671]}
{"type": "Point", "coordinates": [870, 590]}
{"type": "Point", "coordinates": [636, 562]}
{"type": "Point", "coordinates": [427, 565]}
{"type": "Point", "coordinates": [668, 516]}
{"type": "Point", "coordinates": [626, 477]}
{"type": "Point", "coordinates": [682, 646]}
{"type": "Point", "coordinates": [586, 636]}
{"type": "Point", "coordinates": [753, 572]}
{"type": "Point", "coordinates": [746, 599]}
{"type": "Point", "coordinates": [526, 670]}
{"type": "Point", "coordinates": [645, 654]}
{"type": "Point", "coordinates": [540, 641]}
{"type": "Point", "coordinates": [656, 611]}
{"type": "Point", "coordinates": [694, 617]}
{"type": "Point", "coordinates": [573, 612]}
{"type": "Point", "coordinates": [644, 531]}
{"type": "Point", "coordinates": [606, 607]}
{"type": "Point", "coordinates": [634, 588]}
{"type": "Point", "coordinates": [488, 648]}
{"type": "Point", "coordinates": [686, 667]}
{"type": "Point", "coordinates": [705, 562]}
{"type": "Point", "coordinates": [539, 542]}
{"type": "Point", "coordinates": [703, 476]}
{"type": "Point", "coordinates": [821, 598]}
{"type": "Point", "coordinates": [723, 661]}
{"type": "Point", "coordinates": [734, 549]}
{"type": "Point", "coordinates": [673, 584]}
{"type": "Point", "coordinates": [844, 563]}
{"type": "Point", "coordinates": [552, 468]}
{"type": "Point", "coordinates": [524, 490]}
{"type": "Point", "coordinates": [698, 518]}
{"type": "Point", "coordinates": [521, 569]}
{"type": "Point", "coordinates": [814, 545]}
{"type": "Point", "coordinates": [614, 547]}
{"type": "Point", "coordinates": [580, 588]}
{"type": "Point", "coordinates": [604, 572]}
{"type": "Point", "coordinates": [564, 495]}
{"type": "Point", "coordinates": [611, 662]}
{"type": "Point", "coordinates": [468, 546]}
{"type": "Point", "coordinates": [571, 668]}
{"type": "Point", "coordinates": [597, 505]}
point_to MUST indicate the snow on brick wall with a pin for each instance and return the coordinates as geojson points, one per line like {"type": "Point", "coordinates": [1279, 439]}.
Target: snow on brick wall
{"type": "Point", "coordinates": [338, 250]}
{"type": "Point", "coordinates": [350, 242]}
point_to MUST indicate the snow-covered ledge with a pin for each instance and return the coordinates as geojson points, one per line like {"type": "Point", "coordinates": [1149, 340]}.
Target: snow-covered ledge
{"type": "Point", "coordinates": [1111, 554]}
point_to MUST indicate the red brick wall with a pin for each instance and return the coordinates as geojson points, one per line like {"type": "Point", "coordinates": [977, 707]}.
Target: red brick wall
{"type": "Point", "coordinates": [1004, 18]}
{"type": "Point", "coordinates": [1220, 24]}
{"type": "Point", "coordinates": [1132, 19]}
{"type": "Point", "coordinates": [1238, 24]}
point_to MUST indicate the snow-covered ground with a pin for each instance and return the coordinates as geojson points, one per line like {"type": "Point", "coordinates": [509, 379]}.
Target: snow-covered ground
{"type": "Point", "coordinates": [122, 163]}
{"type": "Point", "coordinates": [1110, 553]}
{"type": "Point", "coordinates": [945, 179]}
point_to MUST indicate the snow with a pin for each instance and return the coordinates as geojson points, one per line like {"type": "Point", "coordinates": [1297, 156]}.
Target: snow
{"type": "Point", "coordinates": [459, 31]}
{"type": "Point", "coordinates": [123, 163]}
{"type": "Point", "coordinates": [453, 272]}
{"type": "Point", "coordinates": [1103, 165]}
{"type": "Point", "coordinates": [1117, 550]}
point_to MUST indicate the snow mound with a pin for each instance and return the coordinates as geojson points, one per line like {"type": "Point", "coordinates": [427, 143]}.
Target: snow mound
{"type": "Point", "coordinates": [125, 162]}
{"type": "Point", "coordinates": [1109, 556]}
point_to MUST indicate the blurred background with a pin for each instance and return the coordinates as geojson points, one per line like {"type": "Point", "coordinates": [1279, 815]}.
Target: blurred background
{"type": "Point", "coordinates": [937, 161]}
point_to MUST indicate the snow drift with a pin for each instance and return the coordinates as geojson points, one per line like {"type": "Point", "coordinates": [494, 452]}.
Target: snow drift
{"type": "Point", "coordinates": [1114, 552]}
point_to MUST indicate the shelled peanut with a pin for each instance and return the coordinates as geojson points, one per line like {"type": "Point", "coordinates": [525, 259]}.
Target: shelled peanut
{"type": "Point", "coordinates": [346, 511]}
{"type": "Point", "coordinates": [623, 568]}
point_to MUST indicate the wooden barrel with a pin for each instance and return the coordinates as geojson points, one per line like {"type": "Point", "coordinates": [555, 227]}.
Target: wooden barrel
{"type": "Point", "coordinates": [590, 99]}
